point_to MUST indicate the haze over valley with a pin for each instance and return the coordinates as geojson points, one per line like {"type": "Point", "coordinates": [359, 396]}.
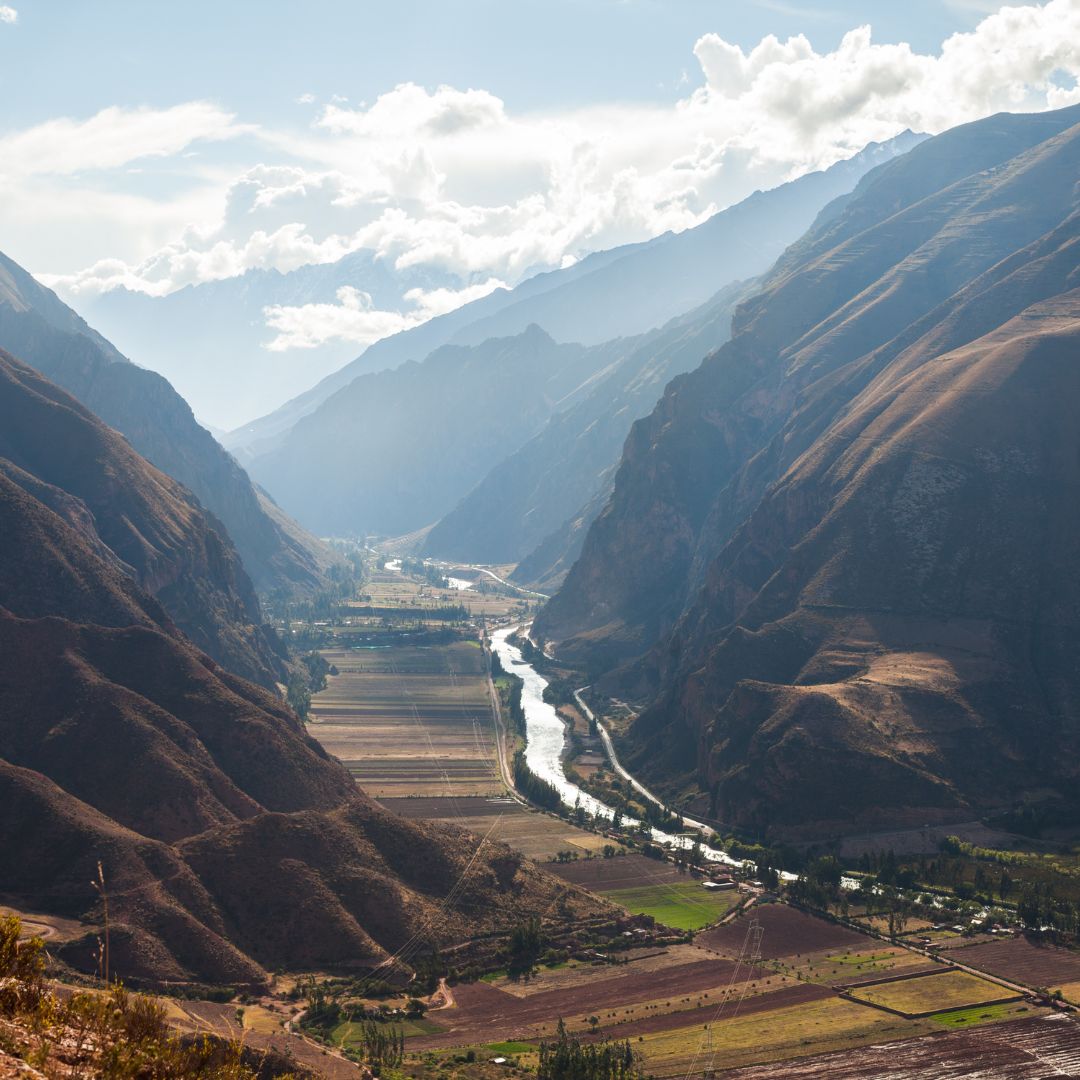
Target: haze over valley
{"type": "Point", "coordinates": [570, 578]}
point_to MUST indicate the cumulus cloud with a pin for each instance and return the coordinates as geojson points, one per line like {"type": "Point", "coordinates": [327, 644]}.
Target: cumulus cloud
{"type": "Point", "coordinates": [8, 15]}
{"type": "Point", "coordinates": [454, 180]}
{"type": "Point", "coordinates": [355, 319]}
{"type": "Point", "coordinates": [112, 138]}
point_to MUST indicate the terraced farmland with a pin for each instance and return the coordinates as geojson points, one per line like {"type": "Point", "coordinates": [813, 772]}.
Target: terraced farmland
{"type": "Point", "coordinates": [409, 720]}
{"type": "Point", "coordinates": [537, 835]}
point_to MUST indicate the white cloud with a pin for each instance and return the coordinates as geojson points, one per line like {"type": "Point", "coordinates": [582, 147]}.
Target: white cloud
{"type": "Point", "coordinates": [454, 180]}
{"type": "Point", "coordinates": [111, 139]}
{"type": "Point", "coordinates": [355, 319]}
{"type": "Point", "coordinates": [8, 15]}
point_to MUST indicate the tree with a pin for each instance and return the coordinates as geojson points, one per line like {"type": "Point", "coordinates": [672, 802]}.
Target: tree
{"type": "Point", "coordinates": [298, 695]}
{"type": "Point", "coordinates": [526, 945]}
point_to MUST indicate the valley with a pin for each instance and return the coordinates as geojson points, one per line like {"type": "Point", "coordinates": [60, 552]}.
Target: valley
{"type": "Point", "coordinates": [601, 599]}
{"type": "Point", "coordinates": [694, 993]}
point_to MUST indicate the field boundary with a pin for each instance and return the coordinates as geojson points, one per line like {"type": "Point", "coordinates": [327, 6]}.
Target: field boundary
{"type": "Point", "coordinates": [902, 977]}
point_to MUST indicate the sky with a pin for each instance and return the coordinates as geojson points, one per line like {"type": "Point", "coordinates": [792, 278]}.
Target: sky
{"type": "Point", "coordinates": [155, 146]}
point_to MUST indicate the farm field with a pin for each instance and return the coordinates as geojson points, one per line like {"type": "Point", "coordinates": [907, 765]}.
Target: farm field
{"type": "Point", "coordinates": [928, 994]}
{"type": "Point", "coordinates": [409, 720]}
{"type": "Point", "coordinates": [536, 835]}
{"type": "Point", "coordinates": [392, 590]}
{"type": "Point", "coordinates": [787, 933]}
{"type": "Point", "coordinates": [649, 887]}
{"type": "Point", "coordinates": [682, 905]}
{"type": "Point", "coordinates": [670, 993]}
{"type": "Point", "coordinates": [664, 999]}
{"type": "Point", "coordinates": [1025, 961]}
{"type": "Point", "coordinates": [1027, 1049]}
{"type": "Point", "coordinates": [854, 966]}
{"type": "Point", "coordinates": [791, 1031]}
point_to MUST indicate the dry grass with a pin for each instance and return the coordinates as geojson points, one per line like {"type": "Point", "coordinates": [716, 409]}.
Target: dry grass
{"type": "Point", "coordinates": [812, 1028]}
{"type": "Point", "coordinates": [932, 993]}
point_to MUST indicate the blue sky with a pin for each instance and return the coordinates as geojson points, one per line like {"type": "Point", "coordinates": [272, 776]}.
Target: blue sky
{"type": "Point", "coordinates": [75, 57]}
{"type": "Point", "coordinates": [159, 145]}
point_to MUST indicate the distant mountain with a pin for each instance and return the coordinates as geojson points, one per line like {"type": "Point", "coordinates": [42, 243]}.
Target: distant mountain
{"type": "Point", "coordinates": [262, 435]}
{"type": "Point", "coordinates": [232, 844]}
{"type": "Point", "coordinates": [533, 493]}
{"type": "Point", "coordinates": [38, 328]}
{"type": "Point", "coordinates": [209, 340]}
{"type": "Point", "coordinates": [837, 564]}
{"type": "Point", "coordinates": [538, 497]}
{"type": "Point", "coordinates": [618, 293]}
{"type": "Point", "coordinates": [393, 451]}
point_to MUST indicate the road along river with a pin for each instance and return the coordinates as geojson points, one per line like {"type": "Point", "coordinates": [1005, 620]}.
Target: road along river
{"type": "Point", "coordinates": [545, 742]}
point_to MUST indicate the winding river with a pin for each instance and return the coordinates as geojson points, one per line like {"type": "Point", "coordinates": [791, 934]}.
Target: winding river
{"type": "Point", "coordinates": [545, 742]}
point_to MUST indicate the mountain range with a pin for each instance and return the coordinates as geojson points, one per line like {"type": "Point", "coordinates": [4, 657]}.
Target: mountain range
{"type": "Point", "coordinates": [42, 331]}
{"type": "Point", "coordinates": [838, 568]}
{"type": "Point", "coordinates": [313, 456]}
{"type": "Point", "coordinates": [232, 844]}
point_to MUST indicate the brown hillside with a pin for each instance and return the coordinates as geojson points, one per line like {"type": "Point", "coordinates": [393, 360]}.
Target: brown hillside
{"type": "Point", "coordinates": [152, 525]}
{"type": "Point", "coordinates": [231, 842]}
{"type": "Point", "coordinates": [835, 555]}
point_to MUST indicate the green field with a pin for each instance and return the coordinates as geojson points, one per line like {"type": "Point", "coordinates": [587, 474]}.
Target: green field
{"type": "Point", "coordinates": [981, 1014]}
{"type": "Point", "coordinates": [347, 1033]}
{"type": "Point", "coordinates": [682, 905]}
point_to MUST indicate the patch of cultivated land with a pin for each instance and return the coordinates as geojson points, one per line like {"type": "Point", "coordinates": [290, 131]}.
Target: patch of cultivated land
{"type": "Point", "coordinates": [850, 967]}
{"type": "Point", "coordinates": [678, 991]}
{"type": "Point", "coordinates": [787, 932]}
{"type": "Point", "coordinates": [1023, 960]}
{"type": "Point", "coordinates": [396, 591]}
{"type": "Point", "coordinates": [538, 836]}
{"type": "Point", "coordinates": [792, 1031]}
{"type": "Point", "coordinates": [1029, 1049]}
{"type": "Point", "coordinates": [648, 887]}
{"type": "Point", "coordinates": [928, 994]}
{"type": "Point", "coordinates": [788, 1008]}
{"type": "Point", "coordinates": [410, 721]}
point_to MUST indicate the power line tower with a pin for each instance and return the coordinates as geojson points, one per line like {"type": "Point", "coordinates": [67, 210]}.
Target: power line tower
{"type": "Point", "coordinates": [750, 955]}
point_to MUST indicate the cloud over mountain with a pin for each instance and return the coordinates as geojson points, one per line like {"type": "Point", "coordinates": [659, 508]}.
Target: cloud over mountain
{"type": "Point", "coordinates": [456, 179]}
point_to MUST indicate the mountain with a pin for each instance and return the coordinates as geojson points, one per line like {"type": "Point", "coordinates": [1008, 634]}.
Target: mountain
{"type": "Point", "coordinates": [532, 494]}
{"type": "Point", "coordinates": [621, 292]}
{"type": "Point", "coordinates": [38, 328]}
{"type": "Point", "coordinates": [141, 521]}
{"type": "Point", "coordinates": [836, 565]}
{"type": "Point", "coordinates": [231, 843]}
{"type": "Point", "coordinates": [209, 340]}
{"type": "Point", "coordinates": [262, 435]}
{"type": "Point", "coordinates": [393, 451]}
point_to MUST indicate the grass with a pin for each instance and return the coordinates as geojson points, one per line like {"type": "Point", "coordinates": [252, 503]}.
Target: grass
{"type": "Point", "coordinates": [510, 1047]}
{"type": "Point", "coordinates": [682, 905]}
{"type": "Point", "coordinates": [859, 959]}
{"type": "Point", "coordinates": [981, 1014]}
{"type": "Point", "coordinates": [813, 1028]}
{"type": "Point", "coordinates": [349, 1031]}
{"type": "Point", "coordinates": [931, 993]}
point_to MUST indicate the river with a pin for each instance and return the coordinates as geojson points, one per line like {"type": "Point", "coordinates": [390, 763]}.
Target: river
{"type": "Point", "coordinates": [545, 742]}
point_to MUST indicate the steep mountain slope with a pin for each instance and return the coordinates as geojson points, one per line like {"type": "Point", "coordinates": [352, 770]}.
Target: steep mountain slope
{"type": "Point", "coordinates": [136, 517]}
{"type": "Point", "coordinates": [794, 524]}
{"type": "Point", "coordinates": [231, 843]}
{"type": "Point", "coordinates": [534, 492]}
{"type": "Point", "coordinates": [42, 331]}
{"type": "Point", "coordinates": [393, 451]}
{"type": "Point", "coordinates": [618, 293]}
